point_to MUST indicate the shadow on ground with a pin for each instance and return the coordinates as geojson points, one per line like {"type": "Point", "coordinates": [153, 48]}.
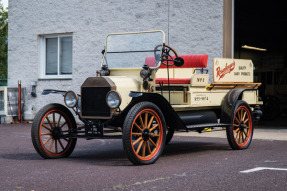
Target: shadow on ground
{"type": "Point", "coordinates": [112, 153]}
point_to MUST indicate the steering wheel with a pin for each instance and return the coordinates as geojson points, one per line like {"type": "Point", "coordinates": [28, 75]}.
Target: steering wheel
{"type": "Point", "coordinates": [166, 54]}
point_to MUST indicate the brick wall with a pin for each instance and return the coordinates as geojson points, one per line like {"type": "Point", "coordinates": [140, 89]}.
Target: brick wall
{"type": "Point", "coordinates": [195, 27]}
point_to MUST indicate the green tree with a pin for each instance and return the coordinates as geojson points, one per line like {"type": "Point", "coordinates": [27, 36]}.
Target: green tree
{"type": "Point", "coordinates": [3, 41]}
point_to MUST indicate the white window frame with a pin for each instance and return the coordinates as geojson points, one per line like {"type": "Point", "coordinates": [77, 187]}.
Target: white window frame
{"type": "Point", "coordinates": [43, 57]}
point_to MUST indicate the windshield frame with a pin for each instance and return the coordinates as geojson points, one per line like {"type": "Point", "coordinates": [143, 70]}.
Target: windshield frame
{"type": "Point", "coordinates": [127, 33]}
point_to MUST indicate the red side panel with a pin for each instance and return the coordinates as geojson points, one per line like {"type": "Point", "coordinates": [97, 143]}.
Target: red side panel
{"type": "Point", "coordinates": [173, 80]}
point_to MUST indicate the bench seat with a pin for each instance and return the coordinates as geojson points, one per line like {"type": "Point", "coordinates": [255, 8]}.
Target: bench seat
{"type": "Point", "coordinates": [179, 75]}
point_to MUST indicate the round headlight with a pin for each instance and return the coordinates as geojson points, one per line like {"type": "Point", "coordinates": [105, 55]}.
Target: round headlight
{"type": "Point", "coordinates": [113, 99]}
{"type": "Point", "coordinates": [71, 99]}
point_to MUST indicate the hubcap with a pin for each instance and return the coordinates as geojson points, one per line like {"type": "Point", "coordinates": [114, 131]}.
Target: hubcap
{"type": "Point", "coordinates": [57, 133]}
{"type": "Point", "coordinates": [145, 134]}
{"type": "Point", "coordinates": [242, 126]}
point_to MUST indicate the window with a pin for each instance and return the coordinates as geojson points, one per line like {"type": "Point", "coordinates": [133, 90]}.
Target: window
{"type": "Point", "coordinates": [56, 56]}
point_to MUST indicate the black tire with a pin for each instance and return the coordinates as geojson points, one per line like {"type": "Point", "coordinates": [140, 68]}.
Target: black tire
{"type": "Point", "coordinates": [144, 133]}
{"type": "Point", "coordinates": [169, 134]}
{"type": "Point", "coordinates": [50, 123]}
{"type": "Point", "coordinates": [240, 134]}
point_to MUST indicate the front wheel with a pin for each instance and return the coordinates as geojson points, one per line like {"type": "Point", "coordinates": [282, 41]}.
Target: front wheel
{"type": "Point", "coordinates": [144, 133]}
{"type": "Point", "coordinates": [240, 134]}
{"type": "Point", "coordinates": [49, 128]}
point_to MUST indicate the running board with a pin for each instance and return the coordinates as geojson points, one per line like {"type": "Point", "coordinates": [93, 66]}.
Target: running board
{"type": "Point", "coordinates": [190, 127]}
{"type": "Point", "coordinates": [93, 136]}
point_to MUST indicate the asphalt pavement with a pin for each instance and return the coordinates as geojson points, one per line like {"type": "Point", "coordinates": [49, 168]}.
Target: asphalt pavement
{"type": "Point", "coordinates": [191, 161]}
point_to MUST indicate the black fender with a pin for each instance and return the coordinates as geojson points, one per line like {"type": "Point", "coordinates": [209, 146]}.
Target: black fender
{"type": "Point", "coordinates": [228, 104]}
{"type": "Point", "coordinates": [49, 91]}
{"type": "Point", "coordinates": [171, 117]}
{"type": "Point", "coordinates": [62, 92]}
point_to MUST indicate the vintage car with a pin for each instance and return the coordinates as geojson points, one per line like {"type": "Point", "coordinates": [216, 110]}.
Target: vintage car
{"type": "Point", "coordinates": [150, 92]}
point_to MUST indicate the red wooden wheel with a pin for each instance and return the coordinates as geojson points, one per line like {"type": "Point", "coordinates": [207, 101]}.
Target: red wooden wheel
{"type": "Point", "coordinates": [240, 133]}
{"type": "Point", "coordinates": [144, 133]}
{"type": "Point", "coordinates": [49, 128]}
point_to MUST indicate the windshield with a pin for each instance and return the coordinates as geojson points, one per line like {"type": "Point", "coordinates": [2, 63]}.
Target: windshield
{"type": "Point", "coordinates": [133, 50]}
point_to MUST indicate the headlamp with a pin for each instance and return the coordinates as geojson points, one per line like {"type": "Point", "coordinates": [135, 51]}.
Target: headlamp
{"type": "Point", "coordinates": [113, 99]}
{"type": "Point", "coordinates": [71, 99]}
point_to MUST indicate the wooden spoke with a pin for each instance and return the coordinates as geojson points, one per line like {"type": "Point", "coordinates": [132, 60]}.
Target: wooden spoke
{"type": "Point", "coordinates": [145, 120]}
{"type": "Point", "coordinates": [236, 125]}
{"type": "Point", "coordinates": [246, 121]}
{"type": "Point", "coordinates": [139, 134]}
{"type": "Point", "coordinates": [236, 119]}
{"type": "Point", "coordinates": [58, 123]}
{"type": "Point", "coordinates": [237, 135]}
{"type": "Point", "coordinates": [138, 140]}
{"type": "Point", "coordinates": [66, 139]}
{"type": "Point", "coordinates": [150, 121]}
{"type": "Point", "coordinates": [49, 129]}
{"type": "Point", "coordinates": [60, 142]}
{"type": "Point", "coordinates": [148, 147]}
{"type": "Point", "coordinates": [239, 141]}
{"type": "Point", "coordinates": [242, 137]}
{"type": "Point", "coordinates": [63, 124]}
{"type": "Point", "coordinates": [49, 121]}
{"type": "Point", "coordinates": [155, 126]}
{"type": "Point", "coordinates": [152, 142]}
{"type": "Point", "coordinates": [56, 146]}
{"type": "Point", "coordinates": [238, 116]}
{"type": "Point", "coordinates": [241, 115]}
{"type": "Point", "coordinates": [45, 133]}
{"type": "Point", "coordinates": [51, 144]}
{"type": "Point", "coordinates": [141, 120]}
{"type": "Point", "coordinates": [138, 127]}
{"type": "Point", "coordinates": [139, 147]}
{"type": "Point", "coordinates": [144, 148]}
{"type": "Point", "coordinates": [244, 116]}
{"type": "Point", "coordinates": [235, 131]}
{"type": "Point", "coordinates": [47, 140]}
{"type": "Point", "coordinates": [156, 135]}
{"type": "Point", "coordinates": [54, 120]}
{"type": "Point", "coordinates": [245, 133]}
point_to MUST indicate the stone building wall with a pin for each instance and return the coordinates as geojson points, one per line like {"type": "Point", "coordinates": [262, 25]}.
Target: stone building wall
{"type": "Point", "coordinates": [192, 27]}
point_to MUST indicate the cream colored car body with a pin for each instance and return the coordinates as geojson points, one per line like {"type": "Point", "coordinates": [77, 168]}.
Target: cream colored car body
{"type": "Point", "coordinates": [199, 94]}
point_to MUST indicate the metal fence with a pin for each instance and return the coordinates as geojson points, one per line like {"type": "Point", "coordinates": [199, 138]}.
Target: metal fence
{"type": "Point", "coordinates": [3, 82]}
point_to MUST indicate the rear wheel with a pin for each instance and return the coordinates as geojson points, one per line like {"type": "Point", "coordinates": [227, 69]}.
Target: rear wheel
{"type": "Point", "coordinates": [144, 133]}
{"type": "Point", "coordinates": [240, 133]}
{"type": "Point", "coordinates": [49, 127]}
